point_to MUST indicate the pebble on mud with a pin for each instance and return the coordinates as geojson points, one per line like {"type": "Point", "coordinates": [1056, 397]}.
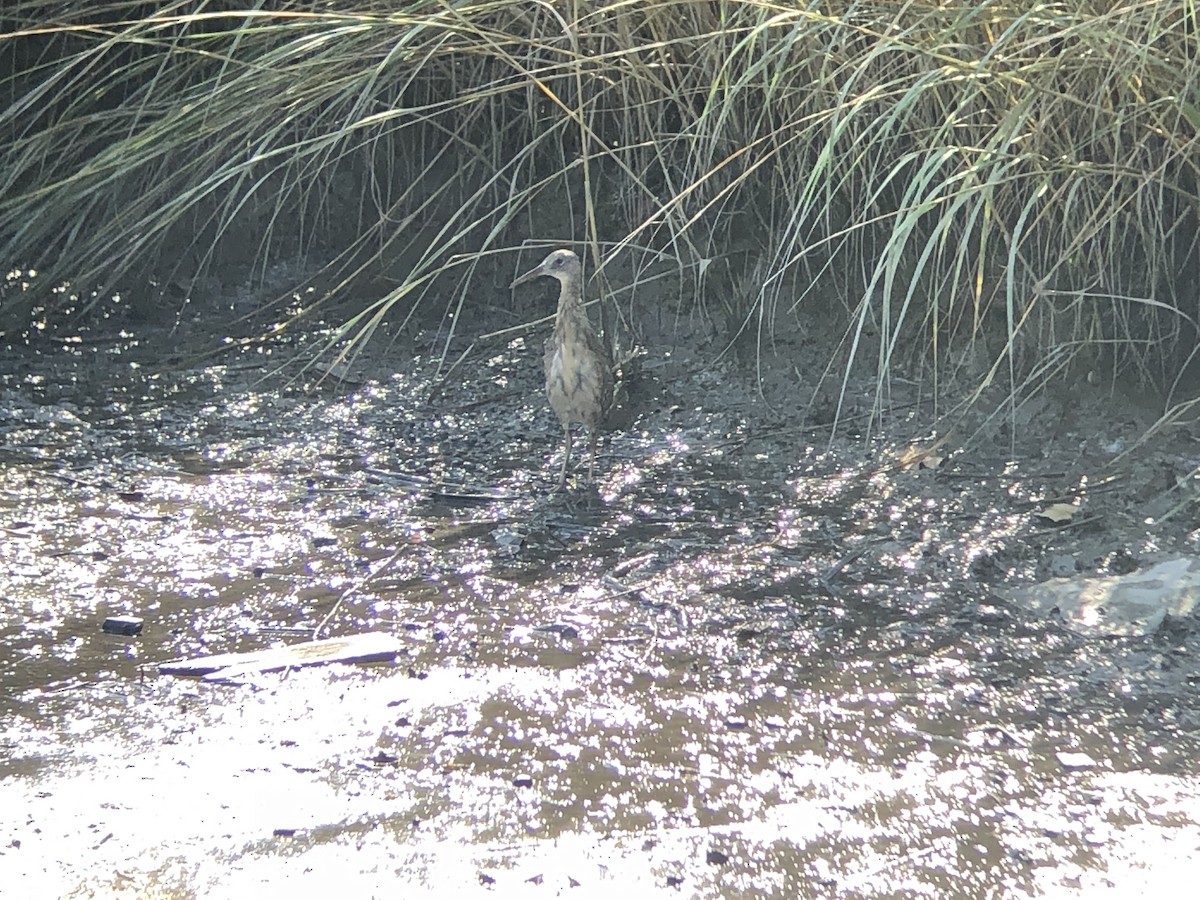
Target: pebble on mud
{"type": "Point", "coordinates": [129, 626]}
{"type": "Point", "coordinates": [1075, 760]}
{"type": "Point", "coordinates": [567, 632]}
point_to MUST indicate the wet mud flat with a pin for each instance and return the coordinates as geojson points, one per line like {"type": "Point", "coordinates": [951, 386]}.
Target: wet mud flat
{"type": "Point", "coordinates": [748, 661]}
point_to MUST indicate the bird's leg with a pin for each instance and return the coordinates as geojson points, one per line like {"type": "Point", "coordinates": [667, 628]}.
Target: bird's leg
{"type": "Point", "coordinates": [562, 476]}
{"type": "Point", "coordinates": [592, 455]}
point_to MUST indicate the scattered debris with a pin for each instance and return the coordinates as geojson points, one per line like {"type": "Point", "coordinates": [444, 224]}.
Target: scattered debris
{"type": "Point", "coordinates": [562, 629]}
{"type": "Point", "coordinates": [1058, 513]}
{"type": "Point", "coordinates": [508, 540]}
{"type": "Point", "coordinates": [915, 457]}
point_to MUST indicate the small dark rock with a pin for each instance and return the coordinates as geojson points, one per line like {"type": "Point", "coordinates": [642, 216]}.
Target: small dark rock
{"type": "Point", "coordinates": [988, 614]}
{"type": "Point", "coordinates": [1121, 562]}
{"type": "Point", "coordinates": [1061, 565]}
{"type": "Point", "coordinates": [984, 566]}
{"type": "Point", "coordinates": [716, 858]}
{"type": "Point", "coordinates": [125, 625]}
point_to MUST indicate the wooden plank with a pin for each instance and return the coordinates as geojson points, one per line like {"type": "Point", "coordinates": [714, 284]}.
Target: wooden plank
{"type": "Point", "coordinates": [374, 646]}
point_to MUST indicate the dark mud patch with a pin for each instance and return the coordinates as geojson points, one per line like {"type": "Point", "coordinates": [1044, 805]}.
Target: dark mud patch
{"type": "Point", "coordinates": [748, 661]}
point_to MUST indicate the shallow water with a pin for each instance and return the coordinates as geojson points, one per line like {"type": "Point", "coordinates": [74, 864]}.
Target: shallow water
{"type": "Point", "coordinates": [743, 663]}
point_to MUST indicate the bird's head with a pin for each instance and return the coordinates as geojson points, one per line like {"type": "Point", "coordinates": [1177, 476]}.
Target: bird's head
{"type": "Point", "coordinates": [561, 264]}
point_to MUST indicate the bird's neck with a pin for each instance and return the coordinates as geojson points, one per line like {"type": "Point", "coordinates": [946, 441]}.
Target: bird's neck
{"type": "Point", "coordinates": [570, 305]}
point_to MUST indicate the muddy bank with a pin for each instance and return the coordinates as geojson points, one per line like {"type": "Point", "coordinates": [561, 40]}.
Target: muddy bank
{"type": "Point", "coordinates": [748, 661]}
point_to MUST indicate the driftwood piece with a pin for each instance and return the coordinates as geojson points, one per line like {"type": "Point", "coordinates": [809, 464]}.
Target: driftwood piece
{"type": "Point", "coordinates": [357, 648]}
{"type": "Point", "coordinates": [1125, 605]}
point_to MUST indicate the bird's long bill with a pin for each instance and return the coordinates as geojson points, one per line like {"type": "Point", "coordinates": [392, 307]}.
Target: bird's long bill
{"type": "Point", "coordinates": [528, 276]}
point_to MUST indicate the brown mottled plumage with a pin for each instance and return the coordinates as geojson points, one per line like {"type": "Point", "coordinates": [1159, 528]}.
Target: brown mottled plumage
{"type": "Point", "coordinates": [579, 378]}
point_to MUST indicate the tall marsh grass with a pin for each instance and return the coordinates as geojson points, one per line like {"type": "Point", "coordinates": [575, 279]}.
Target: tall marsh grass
{"type": "Point", "coordinates": [940, 176]}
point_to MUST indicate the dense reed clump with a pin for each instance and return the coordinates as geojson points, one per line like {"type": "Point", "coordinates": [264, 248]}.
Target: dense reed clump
{"type": "Point", "coordinates": [1017, 175]}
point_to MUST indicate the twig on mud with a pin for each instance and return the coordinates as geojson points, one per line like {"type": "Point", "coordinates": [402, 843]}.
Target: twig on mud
{"type": "Point", "coordinates": [483, 401]}
{"type": "Point", "coordinates": [74, 482]}
{"type": "Point", "coordinates": [621, 590]}
{"type": "Point", "coordinates": [681, 617]}
{"type": "Point", "coordinates": [358, 585]}
{"type": "Point", "coordinates": [446, 490]}
{"type": "Point", "coordinates": [627, 565]}
{"type": "Point", "coordinates": [870, 873]}
{"type": "Point", "coordinates": [1059, 528]}
{"type": "Point", "coordinates": [570, 526]}
{"type": "Point", "coordinates": [826, 577]}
